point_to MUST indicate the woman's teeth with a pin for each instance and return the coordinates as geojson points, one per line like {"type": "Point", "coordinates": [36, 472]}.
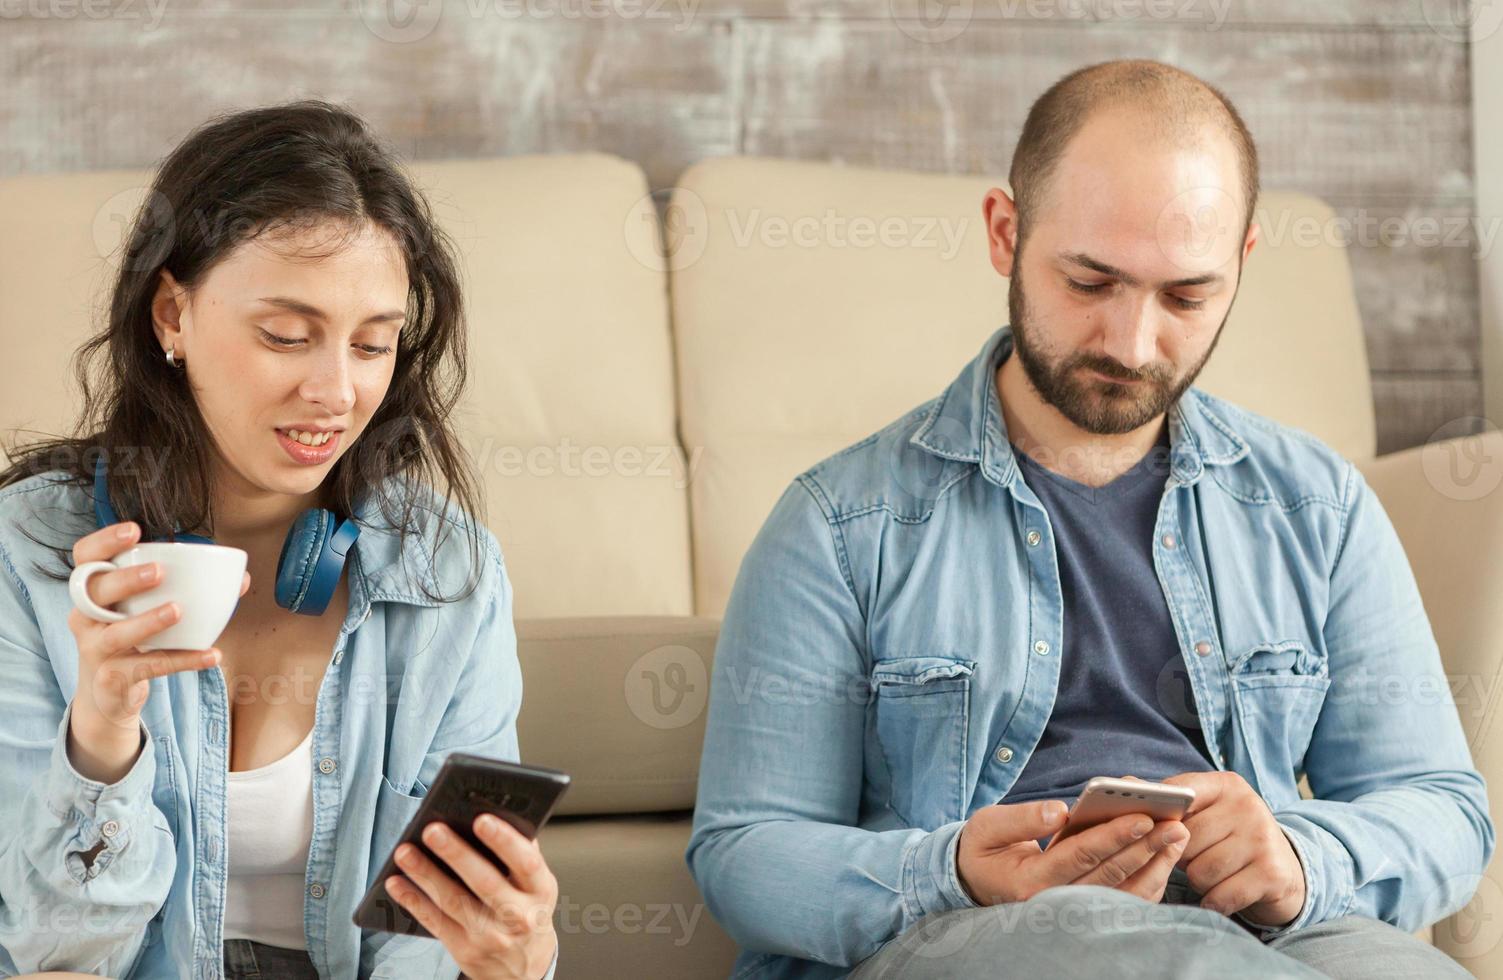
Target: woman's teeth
{"type": "Point", "coordinates": [308, 439]}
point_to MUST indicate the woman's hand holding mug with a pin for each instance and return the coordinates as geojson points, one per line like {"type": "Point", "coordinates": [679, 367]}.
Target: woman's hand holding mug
{"type": "Point", "coordinates": [114, 672]}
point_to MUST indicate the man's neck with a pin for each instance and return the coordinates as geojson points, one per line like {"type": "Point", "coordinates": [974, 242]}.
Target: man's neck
{"type": "Point", "coordinates": [1059, 445]}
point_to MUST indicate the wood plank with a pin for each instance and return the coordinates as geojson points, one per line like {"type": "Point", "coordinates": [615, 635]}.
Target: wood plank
{"type": "Point", "coordinates": [1414, 408]}
{"type": "Point", "coordinates": [1378, 113]}
{"type": "Point", "coordinates": [1437, 15]}
{"type": "Point", "coordinates": [1431, 15]}
{"type": "Point", "coordinates": [1414, 269]}
{"type": "Point", "coordinates": [82, 98]}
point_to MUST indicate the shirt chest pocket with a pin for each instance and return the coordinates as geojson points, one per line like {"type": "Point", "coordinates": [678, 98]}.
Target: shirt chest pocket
{"type": "Point", "coordinates": [1280, 687]}
{"type": "Point", "coordinates": [922, 707]}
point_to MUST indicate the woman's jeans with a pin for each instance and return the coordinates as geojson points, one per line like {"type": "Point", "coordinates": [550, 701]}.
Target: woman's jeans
{"type": "Point", "coordinates": [1091, 931]}
{"type": "Point", "coordinates": [246, 960]}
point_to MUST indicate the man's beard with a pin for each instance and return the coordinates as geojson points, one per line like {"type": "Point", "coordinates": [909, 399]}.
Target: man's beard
{"type": "Point", "coordinates": [1094, 405]}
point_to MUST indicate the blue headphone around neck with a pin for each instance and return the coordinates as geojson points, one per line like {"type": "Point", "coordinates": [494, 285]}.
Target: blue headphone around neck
{"type": "Point", "coordinates": [312, 557]}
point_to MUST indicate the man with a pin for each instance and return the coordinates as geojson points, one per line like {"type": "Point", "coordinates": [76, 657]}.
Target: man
{"type": "Point", "coordinates": [942, 632]}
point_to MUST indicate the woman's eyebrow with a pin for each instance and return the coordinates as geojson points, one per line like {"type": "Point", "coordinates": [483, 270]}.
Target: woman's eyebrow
{"type": "Point", "coordinates": [314, 313]}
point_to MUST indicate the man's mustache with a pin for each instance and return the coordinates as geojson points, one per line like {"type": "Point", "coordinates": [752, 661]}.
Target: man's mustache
{"type": "Point", "coordinates": [1112, 369]}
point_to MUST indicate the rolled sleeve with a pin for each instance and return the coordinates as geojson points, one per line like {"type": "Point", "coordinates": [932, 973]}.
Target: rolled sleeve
{"type": "Point", "coordinates": [1324, 898]}
{"type": "Point", "coordinates": [95, 813]}
{"type": "Point", "coordinates": [931, 874]}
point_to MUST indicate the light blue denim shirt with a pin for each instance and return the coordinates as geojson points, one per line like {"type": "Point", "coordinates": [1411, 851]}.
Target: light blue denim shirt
{"type": "Point", "coordinates": [410, 680]}
{"type": "Point", "coordinates": [892, 648]}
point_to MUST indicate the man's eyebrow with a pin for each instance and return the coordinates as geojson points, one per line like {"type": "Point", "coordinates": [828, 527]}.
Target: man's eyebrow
{"type": "Point", "coordinates": [314, 313]}
{"type": "Point", "coordinates": [1081, 259]}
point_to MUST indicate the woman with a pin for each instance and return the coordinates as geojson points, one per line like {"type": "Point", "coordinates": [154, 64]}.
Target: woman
{"type": "Point", "coordinates": [191, 813]}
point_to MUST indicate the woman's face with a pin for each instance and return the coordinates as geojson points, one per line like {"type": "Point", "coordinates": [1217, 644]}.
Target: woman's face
{"type": "Point", "coordinates": [281, 338]}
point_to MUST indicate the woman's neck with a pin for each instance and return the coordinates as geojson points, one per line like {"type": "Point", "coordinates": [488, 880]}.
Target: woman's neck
{"type": "Point", "coordinates": [254, 519]}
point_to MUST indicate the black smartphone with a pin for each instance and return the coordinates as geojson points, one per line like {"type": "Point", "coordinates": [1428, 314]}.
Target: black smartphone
{"type": "Point", "coordinates": [466, 787]}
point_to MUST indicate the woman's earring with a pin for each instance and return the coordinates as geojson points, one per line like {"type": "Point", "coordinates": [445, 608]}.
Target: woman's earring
{"type": "Point", "coordinates": [172, 357]}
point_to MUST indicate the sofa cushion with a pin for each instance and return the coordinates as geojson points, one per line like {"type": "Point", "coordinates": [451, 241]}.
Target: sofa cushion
{"type": "Point", "coordinates": [619, 704]}
{"type": "Point", "coordinates": [627, 905]}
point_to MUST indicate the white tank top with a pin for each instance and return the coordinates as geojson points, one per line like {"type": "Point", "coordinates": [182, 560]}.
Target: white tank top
{"type": "Point", "coordinates": [270, 827]}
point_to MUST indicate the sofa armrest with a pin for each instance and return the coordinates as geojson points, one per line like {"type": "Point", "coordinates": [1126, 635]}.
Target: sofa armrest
{"type": "Point", "coordinates": [619, 704]}
{"type": "Point", "coordinates": [1446, 502]}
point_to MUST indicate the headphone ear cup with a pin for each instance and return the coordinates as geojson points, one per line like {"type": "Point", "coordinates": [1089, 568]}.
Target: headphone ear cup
{"type": "Point", "coordinates": [299, 559]}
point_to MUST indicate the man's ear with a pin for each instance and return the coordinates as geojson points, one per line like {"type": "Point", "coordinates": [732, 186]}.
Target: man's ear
{"type": "Point", "coordinates": [1001, 216]}
{"type": "Point", "coordinates": [1250, 241]}
{"type": "Point", "coordinates": [167, 306]}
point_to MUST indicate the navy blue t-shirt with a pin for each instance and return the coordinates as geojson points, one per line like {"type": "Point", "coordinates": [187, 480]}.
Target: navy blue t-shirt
{"type": "Point", "coordinates": [1123, 706]}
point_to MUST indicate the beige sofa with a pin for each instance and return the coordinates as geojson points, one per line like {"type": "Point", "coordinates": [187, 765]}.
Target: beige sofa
{"type": "Point", "coordinates": [635, 410]}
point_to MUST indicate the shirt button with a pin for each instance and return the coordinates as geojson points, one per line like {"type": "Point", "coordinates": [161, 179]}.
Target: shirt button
{"type": "Point", "coordinates": [1041, 648]}
{"type": "Point", "coordinates": [1202, 648]}
{"type": "Point", "coordinates": [338, 656]}
{"type": "Point", "coordinates": [326, 765]}
{"type": "Point", "coordinates": [1168, 540]}
{"type": "Point", "coordinates": [1004, 754]}
{"type": "Point", "coordinates": [1034, 538]}
{"type": "Point", "coordinates": [316, 890]}
{"type": "Point", "coordinates": [110, 828]}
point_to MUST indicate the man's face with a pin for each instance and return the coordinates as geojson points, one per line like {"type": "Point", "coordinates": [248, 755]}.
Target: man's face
{"type": "Point", "coordinates": [1128, 274]}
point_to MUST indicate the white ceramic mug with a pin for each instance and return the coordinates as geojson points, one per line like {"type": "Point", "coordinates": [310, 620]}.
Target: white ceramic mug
{"type": "Point", "coordinates": [203, 579]}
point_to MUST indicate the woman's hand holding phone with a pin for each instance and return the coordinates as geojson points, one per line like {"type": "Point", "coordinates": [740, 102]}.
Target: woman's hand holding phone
{"type": "Point", "coordinates": [104, 731]}
{"type": "Point", "coordinates": [496, 926]}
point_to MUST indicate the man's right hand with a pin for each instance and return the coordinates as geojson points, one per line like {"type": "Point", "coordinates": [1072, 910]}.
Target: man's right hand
{"type": "Point", "coordinates": [999, 859]}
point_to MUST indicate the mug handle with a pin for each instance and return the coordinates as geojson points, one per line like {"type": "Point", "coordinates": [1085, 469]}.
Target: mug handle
{"type": "Point", "coordinates": [78, 590]}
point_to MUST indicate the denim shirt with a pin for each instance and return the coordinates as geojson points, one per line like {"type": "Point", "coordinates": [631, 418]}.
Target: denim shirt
{"type": "Point", "coordinates": [891, 652]}
{"type": "Point", "coordinates": [409, 681]}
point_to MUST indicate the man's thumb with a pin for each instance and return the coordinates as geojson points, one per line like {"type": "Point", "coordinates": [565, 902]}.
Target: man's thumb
{"type": "Point", "coordinates": [1017, 822]}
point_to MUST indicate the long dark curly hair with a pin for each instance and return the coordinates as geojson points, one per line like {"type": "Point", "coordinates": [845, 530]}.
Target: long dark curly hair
{"type": "Point", "coordinates": [234, 178]}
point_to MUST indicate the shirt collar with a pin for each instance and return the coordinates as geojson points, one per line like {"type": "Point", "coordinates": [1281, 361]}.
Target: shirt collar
{"type": "Point", "coordinates": [966, 424]}
{"type": "Point", "coordinates": [381, 569]}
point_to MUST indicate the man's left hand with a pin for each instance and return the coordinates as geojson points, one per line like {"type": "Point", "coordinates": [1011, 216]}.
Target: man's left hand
{"type": "Point", "coordinates": [1237, 857]}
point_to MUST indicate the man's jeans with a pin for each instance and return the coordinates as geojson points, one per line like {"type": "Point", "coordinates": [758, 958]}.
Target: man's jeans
{"type": "Point", "coordinates": [1090, 931]}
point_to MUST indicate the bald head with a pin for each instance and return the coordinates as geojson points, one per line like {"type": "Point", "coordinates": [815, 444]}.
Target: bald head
{"type": "Point", "coordinates": [1159, 103]}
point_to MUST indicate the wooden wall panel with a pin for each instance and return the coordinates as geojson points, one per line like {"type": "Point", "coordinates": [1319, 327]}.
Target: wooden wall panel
{"type": "Point", "coordinates": [1365, 103]}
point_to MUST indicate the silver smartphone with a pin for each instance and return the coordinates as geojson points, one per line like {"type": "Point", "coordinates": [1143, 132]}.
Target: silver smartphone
{"type": "Point", "coordinates": [1105, 798]}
